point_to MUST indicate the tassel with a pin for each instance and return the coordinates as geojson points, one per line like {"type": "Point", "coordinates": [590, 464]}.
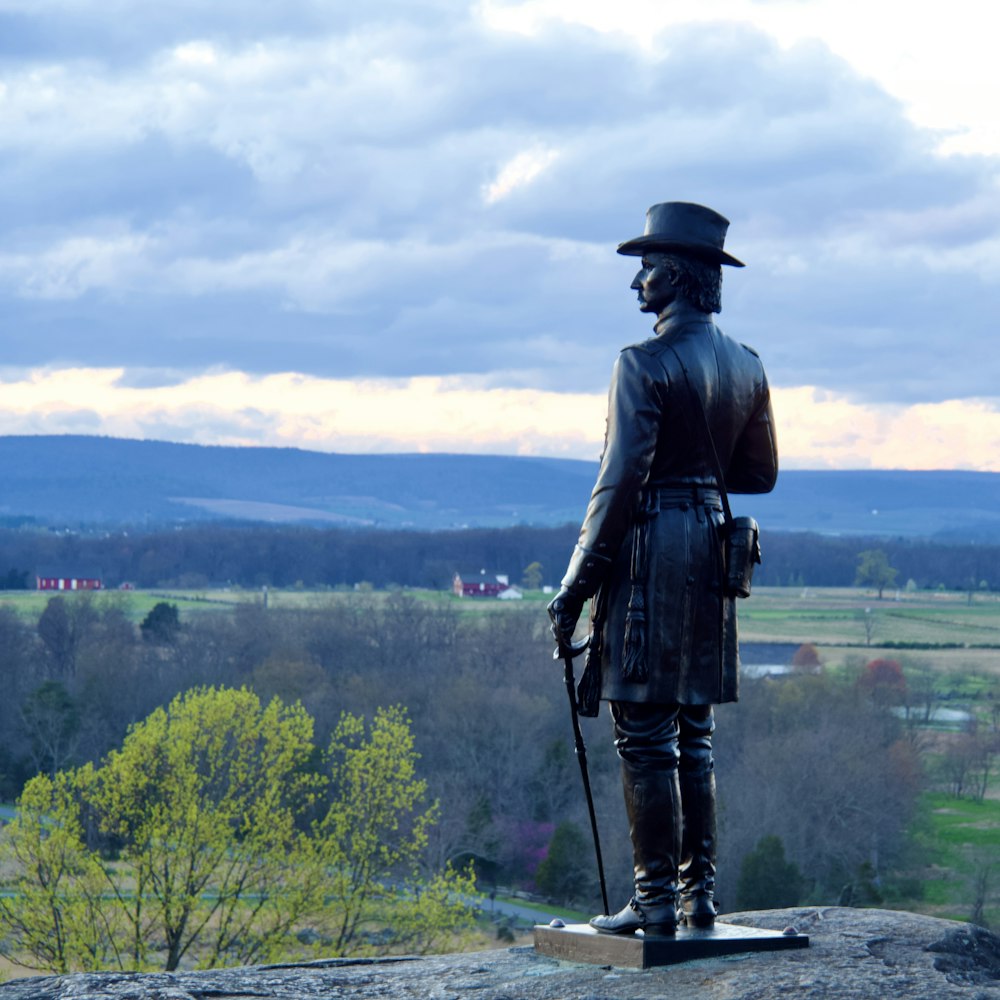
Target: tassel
{"type": "Point", "coordinates": [588, 691]}
{"type": "Point", "coordinates": [634, 667]}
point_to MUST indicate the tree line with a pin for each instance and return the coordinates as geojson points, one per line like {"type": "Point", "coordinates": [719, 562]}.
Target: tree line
{"type": "Point", "coordinates": [251, 555]}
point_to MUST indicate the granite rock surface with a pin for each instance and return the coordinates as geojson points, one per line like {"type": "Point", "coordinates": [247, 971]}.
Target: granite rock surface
{"type": "Point", "coordinates": [853, 955]}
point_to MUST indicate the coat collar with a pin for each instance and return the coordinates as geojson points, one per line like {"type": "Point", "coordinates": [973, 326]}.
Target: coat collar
{"type": "Point", "coordinates": [678, 314]}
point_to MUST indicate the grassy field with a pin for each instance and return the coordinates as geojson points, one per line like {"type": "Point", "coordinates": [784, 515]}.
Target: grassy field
{"type": "Point", "coordinates": [955, 844]}
{"type": "Point", "coordinates": [837, 616]}
{"type": "Point", "coordinates": [819, 614]}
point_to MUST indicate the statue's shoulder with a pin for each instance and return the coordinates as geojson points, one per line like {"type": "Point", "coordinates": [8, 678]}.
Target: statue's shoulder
{"type": "Point", "coordinates": [753, 359]}
{"type": "Point", "coordinates": [738, 347]}
{"type": "Point", "coordinates": [653, 347]}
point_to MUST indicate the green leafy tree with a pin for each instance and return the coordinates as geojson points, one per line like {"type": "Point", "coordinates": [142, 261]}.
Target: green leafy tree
{"type": "Point", "coordinates": [205, 806]}
{"type": "Point", "coordinates": [203, 795]}
{"type": "Point", "coordinates": [201, 802]}
{"type": "Point", "coordinates": [532, 578]}
{"type": "Point", "coordinates": [767, 880]}
{"type": "Point", "coordinates": [372, 835]}
{"type": "Point", "coordinates": [371, 840]}
{"type": "Point", "coordinates": [57, 916]}
{"type": "Point", "coordinates": [874, 571]}
{"type": "Point", "coordinates": [427, 918]}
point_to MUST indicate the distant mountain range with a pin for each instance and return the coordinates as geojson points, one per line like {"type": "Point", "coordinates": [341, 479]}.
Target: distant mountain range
{"type": "Point", "coordinates": [95, 481]}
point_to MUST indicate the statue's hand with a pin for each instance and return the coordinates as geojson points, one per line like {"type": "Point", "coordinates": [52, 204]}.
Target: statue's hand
{"type": "Point", "coordinates": [564, 610]}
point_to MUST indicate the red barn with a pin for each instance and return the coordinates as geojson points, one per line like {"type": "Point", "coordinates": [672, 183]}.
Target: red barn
{"type": "Point", "coordinates": [479, 584]}
{"type": "Point", "coordinates": [68, 583]}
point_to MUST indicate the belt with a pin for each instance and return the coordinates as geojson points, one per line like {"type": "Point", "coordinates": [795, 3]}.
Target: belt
{"type": "Point", "coordinates": [660, 497]}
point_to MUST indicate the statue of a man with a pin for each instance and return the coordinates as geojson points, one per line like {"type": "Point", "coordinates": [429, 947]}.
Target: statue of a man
{"type": "Point", "coordinates": [650, 556]}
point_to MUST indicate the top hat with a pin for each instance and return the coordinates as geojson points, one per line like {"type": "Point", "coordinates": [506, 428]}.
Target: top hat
{"type": "Point", "coordinates": [681, 225]}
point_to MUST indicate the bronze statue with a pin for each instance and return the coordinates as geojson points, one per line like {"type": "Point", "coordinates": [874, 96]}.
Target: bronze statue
{"type": "Point", "coordinates": [663, 647]}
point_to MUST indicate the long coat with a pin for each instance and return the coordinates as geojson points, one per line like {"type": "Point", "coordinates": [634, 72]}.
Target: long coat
{"type": "Point", "coordinates": [656, 441]}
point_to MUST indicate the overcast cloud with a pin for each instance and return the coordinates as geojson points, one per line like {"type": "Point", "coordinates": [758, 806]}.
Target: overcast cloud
{"type": "Point", "coordinates": [320, 188]}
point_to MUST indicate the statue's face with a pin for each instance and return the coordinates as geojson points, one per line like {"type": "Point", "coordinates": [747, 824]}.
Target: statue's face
{"type": "Point", "coordinates": [653, 285]}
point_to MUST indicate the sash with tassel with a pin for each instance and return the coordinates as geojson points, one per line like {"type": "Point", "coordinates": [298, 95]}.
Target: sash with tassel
{"type": "Point", "coordinates": [634, 666]}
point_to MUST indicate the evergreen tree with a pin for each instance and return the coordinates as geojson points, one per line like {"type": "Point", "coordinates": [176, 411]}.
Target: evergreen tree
{"type": "Point", "coordinates": [767, 881]}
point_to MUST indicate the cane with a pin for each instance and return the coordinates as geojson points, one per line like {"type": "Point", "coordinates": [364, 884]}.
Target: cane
{"type": "Point", "coordinates": [566, 654]}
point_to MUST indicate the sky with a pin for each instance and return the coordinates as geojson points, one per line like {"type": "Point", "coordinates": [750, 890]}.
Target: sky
{"type": "Point", "coordinates": [391, 227]}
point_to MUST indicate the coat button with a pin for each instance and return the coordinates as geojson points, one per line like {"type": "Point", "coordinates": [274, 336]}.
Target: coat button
{"type": "Point", "coordinates": [690, 579]}
{"type": "Point", "coordinates": [685, 506]}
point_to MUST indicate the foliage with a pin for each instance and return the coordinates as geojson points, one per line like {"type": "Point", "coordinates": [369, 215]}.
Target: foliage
{"type": "Point", "coordinates": [967, 762]}
{"type": "Point", "coordinates": [806, 658]}
{"type": "Point", "coordinates": [372, 832]}
{"type": "Point", "coordinates": [812, 757]}
{"type": "Point", "coordinates": [767, 880]}
{"type": "Point", "coordinates": [62, 627]}
{"type": "Point", "coordinates": [565, 867]}
{"type": "Point", "coordinates": [532, 578]}
{"type": "Point", "coordinates": [56, 914]}
{"type": "Point", "coordinates": [816, 759]}
{"type": "Point", "coordinates": [884, 682]}
{"type": "Point", "coordinates": [874, 570]}
{"type": "Point", "coordinates": [203, 797]}
{"type": "Point", "coordinates": [161, 624]}
{"type": "Point", "coordinates": [427, 918]}
{"type": "Point", "coordinates": [14, 579]}
{"type": "Point", "coordinates": [204, 807]}
{"type": "Point", "coordinates": [283, 555]}
{"type": "Point", "coordinates": [51, 719]}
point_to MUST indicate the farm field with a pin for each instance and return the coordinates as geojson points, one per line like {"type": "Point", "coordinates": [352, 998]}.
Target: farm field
{"type": "Point", "coordinates": [834, 617]}
{"type": "Point", "coordinates": [944, 631]}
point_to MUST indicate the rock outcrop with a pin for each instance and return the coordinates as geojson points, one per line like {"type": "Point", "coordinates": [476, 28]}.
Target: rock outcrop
{"type": "Point", "coordinates": [854, 955]}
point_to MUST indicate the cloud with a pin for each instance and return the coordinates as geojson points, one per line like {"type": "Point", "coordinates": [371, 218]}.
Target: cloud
{"type": "Point", "coordinates": [518, 172]}
{"type": "Point", "coordinates": [290, 409]}
{"type": "Point", "coordinates": [406, 190]}
{"type": "Point", "coordinates": [816, 428]}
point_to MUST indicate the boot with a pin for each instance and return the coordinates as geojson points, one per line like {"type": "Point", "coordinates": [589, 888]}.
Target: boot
{"type": "Point", "coordinates": [653, 806]}
{"type": "Point", "coordinates": [657, 918]}
{"type": "Point", "coordinates": [697, 869]}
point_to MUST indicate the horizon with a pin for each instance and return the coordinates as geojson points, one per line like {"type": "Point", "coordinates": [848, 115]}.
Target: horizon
{"type": "Point", "coordinates": [464, 454]}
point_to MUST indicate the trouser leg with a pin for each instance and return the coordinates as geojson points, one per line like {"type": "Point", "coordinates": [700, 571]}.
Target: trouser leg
{"type": "Point", "coordinates": [697, 785]}
{"type": "Point", "coordinates": [646, 737]}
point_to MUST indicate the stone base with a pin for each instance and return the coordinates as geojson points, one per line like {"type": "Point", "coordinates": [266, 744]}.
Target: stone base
{"type": "Point", "coordinates": [581, 943]}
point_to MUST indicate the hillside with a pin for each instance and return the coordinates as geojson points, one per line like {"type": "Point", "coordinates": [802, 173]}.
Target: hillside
{"type": "Point", "coordinates": [78, 480]}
